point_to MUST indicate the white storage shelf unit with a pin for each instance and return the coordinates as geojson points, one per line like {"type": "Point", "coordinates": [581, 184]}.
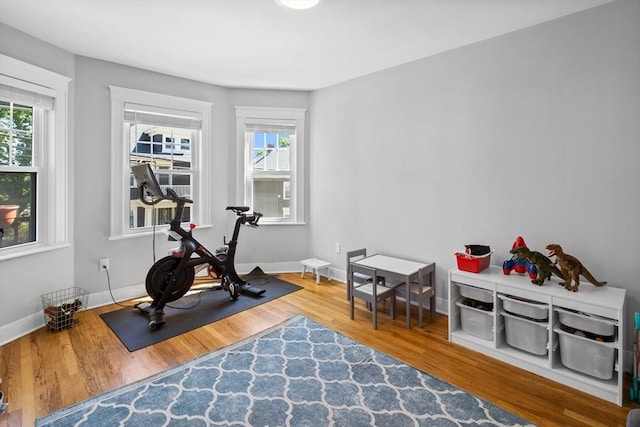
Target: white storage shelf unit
{"type": "Point", "coordinates": [604, 379]}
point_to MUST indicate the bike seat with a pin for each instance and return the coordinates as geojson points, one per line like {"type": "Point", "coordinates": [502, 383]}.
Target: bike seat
{"type": "Point", "coordinates": [238, 208]}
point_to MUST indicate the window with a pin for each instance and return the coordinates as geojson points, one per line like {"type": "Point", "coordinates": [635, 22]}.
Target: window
{"type": "Point", "coordinates": [151, 139]}
{"type": "Point", "coordinates": [33, 159]}
{"type": "Point", "coordinates": [169, 133]}
{"type": "Point", "coordinates": [272, 143]}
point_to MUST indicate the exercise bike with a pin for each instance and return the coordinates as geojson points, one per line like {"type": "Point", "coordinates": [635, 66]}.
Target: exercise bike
{"type": "Point", "coordinates": [171, 277]}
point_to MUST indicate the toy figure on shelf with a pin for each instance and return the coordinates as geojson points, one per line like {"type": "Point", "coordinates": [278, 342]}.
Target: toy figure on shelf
{"type": "Point", "coordinates": [571, 269]}
{"type": "Point", "coordinates": [518, 265]}
{"type": "Point", "coordinates": [543, 264]}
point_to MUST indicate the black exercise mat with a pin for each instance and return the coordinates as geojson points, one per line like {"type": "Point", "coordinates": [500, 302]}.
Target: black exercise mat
{"type": "Point", "coordinates": [192, 311]}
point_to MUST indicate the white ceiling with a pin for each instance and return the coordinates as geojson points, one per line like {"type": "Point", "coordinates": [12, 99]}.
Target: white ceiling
{"type": "Point", "coordinates": [258, 44]}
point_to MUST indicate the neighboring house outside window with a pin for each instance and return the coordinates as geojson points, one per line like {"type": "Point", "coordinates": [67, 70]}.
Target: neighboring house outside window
{"type": "Point", "coordinates": [272, 144]}
{"type": "Point", "coordinates": [34, 199]}
{"type": "Point", "coordinates": [169, 133]}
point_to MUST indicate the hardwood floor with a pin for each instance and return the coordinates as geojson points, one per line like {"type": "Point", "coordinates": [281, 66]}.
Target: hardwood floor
{"type": "Point", "coordinates": [45, 371]}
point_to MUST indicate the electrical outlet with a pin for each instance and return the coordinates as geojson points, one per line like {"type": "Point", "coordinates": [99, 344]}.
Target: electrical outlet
{"type": "Point", "coordinates": [338, 248]}
{"type": "Point", "coordinates": [103, 264]}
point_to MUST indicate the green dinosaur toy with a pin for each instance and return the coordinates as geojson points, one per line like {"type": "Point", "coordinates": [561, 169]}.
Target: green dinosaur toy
{"type": "Point", "coordinates": [543, 264]}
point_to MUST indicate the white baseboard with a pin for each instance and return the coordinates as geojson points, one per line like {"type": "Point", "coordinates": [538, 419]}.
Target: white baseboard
{"type": "Point", "coordinates": [35, 321]}
{"type": "Point", "coordinates": [26, 325]}
{"type": "Point", "coordinates": [21, 327]}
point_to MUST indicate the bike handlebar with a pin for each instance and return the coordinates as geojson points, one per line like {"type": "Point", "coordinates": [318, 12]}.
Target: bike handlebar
{"type": "Point", "coordinates": [171, 195]}
{"type": "Point", "coordinates": [174, 196]}
{"type": "Point", "coordinates": [252, 220]}
{"type": "Point", "coordinates": [248, 219]}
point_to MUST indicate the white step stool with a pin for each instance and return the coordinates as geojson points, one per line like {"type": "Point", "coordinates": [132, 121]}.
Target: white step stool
{"type": "Point", "coordinates": [315, 265]}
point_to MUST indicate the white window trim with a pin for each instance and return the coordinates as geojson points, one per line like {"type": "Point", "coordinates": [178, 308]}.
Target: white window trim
{"type": "Point", "coordinates": [53, 196]}
{"type": "Point", "coordinates": [201, 158]}
{"type": "Point", "coordinates": [297, 171]}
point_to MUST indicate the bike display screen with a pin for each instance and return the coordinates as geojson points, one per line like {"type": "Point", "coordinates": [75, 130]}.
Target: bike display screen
{"type": "Point", "coordinates": [146, 180]}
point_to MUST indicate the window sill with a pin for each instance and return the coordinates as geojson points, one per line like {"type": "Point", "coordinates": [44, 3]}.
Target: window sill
{"type": "Point", "coordinates": [262, 222]}
{"type": "Point", "coordinates": [160, 230]}
{"type": "Point", "coordinates": [30, 250]}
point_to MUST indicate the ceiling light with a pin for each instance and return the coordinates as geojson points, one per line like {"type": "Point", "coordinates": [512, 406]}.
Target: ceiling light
{"type": "Point", "coordinates": [297, 4]}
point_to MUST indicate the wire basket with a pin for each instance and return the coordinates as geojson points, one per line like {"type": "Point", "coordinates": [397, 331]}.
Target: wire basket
{"type": "Point", "coordinates": [61, 306]}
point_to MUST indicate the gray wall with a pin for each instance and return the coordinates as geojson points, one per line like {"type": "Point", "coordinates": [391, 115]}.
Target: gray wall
{"type": "Point", "coordinates": [130, 258]}
{"type": "Point", "coordinates": [23, 280]}
{"type": "Point", "coordinates": [268, 246]}
{"type": "Point", "coordinates": [272, 245]}
{"type": "Point", "coordinates": [534, 133]}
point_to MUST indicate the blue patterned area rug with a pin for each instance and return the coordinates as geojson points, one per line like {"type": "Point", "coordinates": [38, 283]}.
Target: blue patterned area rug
{"type": "Point", "coordinates": [298, 373]}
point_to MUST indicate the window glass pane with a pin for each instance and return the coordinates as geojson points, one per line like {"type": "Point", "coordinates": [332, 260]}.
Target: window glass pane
{"type": "Point", "coordinates": [258, 140]}
{"type": "Point", "coordinates": [16, 134]}
{"type": "Point", "coordinates": [271, 196]}
{"type": "Point", "coordinates": [17, 208]}
{"type": "Point", "coordinates": [271, 151]}
{"type": "Point", "coordinates": [284, 141]}
{"type": "Point", "coordinates": [23, 117]}
{"type": "Point", "coordinates": [169, 148]}
{"type": "Point", "coordinates": [4, 147]}
{"type": "Point", "coordinates": [164, 215]}
{"type": "Point", "coordinates": [271, 140]}
{"type": "Point", "coordinates": [181, 183]}
{"type": "Point", "coordinates": [6, 121]}
{"type": "Point", "coordinates": [22, 149]}
{"type": "Point", "coordinates": [141, 215]}
{"type": "Point", "coordinates": [169, 151]}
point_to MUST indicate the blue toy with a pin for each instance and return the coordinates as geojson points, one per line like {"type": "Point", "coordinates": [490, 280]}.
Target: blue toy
{"type": "Point", "coordinates": [520, 266]}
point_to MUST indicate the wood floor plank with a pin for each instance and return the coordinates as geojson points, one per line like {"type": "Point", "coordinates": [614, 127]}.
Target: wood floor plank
{"type": "Point", "coordinates": [46, 370]}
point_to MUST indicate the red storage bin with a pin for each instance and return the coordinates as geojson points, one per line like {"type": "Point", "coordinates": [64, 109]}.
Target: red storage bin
{"type": "Point", "coordinates": [473, 263]}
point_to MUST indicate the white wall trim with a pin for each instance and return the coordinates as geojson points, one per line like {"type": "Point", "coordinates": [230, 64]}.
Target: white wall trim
{"type": "Point", "coordinates": [28, 324]}
{"type": "Point", "coordinates": [21, 327]}
{"type": "Point", "coordinates": [297, 164]}
{"type": "Point", "coordinates": [35, 321]}
{"type": "Point", "coordinates": [201, 163]}
{"type": "Point", "coordinates": [54, 199]}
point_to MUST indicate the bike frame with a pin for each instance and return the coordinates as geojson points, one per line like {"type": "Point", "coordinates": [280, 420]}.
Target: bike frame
{"type": "Point", "coordinates": [172, 283]}
{"type": "Point", "coordinates": [189, 245]}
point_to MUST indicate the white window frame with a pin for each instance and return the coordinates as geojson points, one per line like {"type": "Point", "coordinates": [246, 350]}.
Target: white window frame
{"type": "Point", "coordinates": [245, 158]}
{"type": "Point", "coordinates": [201, 211]}
{"type": "Point", "coordinates": [53, 199]}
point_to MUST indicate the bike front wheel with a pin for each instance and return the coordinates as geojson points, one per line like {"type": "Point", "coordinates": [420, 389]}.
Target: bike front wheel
{"type": "Point", "coordinates": [162, 277]}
